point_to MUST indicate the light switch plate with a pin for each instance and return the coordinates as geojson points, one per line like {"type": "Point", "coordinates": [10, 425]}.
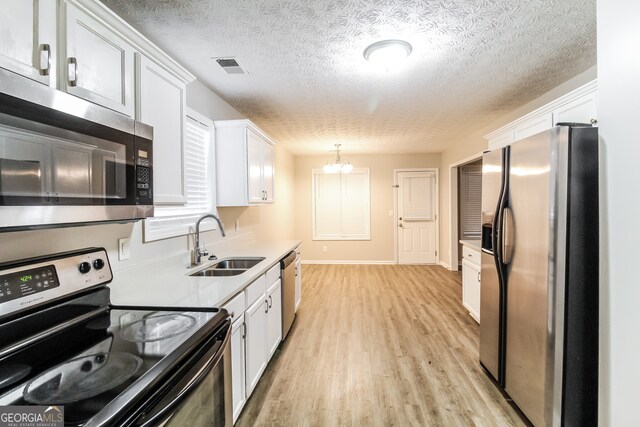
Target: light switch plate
{"type": "Point", "coordinates": [123, 248]}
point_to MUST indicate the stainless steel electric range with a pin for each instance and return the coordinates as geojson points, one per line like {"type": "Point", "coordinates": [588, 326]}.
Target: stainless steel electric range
{"type": "Point", "coordinates": [62, 343]}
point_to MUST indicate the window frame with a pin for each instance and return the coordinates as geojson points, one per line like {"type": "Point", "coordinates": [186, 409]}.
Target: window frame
{"type": "Point", "coordinates": [166, 226]}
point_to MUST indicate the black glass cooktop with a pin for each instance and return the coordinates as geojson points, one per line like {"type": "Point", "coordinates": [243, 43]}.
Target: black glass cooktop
{"type": "Point", "coordinates": [112, 354]}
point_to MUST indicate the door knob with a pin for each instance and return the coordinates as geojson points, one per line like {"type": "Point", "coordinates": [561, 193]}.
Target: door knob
{"type": "Point", "coordinates": [400, 225]}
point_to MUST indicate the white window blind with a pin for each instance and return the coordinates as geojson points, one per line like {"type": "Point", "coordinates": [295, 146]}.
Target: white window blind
{"type": "Point", "coordinates": [341, 205]}
{"type": "Point", "coordinates": [470, 201]}
{"type": "Point", "coordinates": [175, 219]}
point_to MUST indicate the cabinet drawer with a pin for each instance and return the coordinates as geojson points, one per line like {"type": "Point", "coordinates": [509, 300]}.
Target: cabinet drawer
{"type": "Point", "coordinates": [273, 274]}
{"type": "Point", "coordinates": [255, 290]}
{"type": "Point", "coordinates": [236, 305]}
{"type": "Point", "coordinates": [471, 255]}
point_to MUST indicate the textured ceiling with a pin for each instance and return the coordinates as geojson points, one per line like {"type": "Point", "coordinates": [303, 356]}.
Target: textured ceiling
{"type": "Point", "coordinates": [310, 87]}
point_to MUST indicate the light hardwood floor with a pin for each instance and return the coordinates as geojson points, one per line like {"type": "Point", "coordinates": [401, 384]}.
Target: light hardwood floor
{"type": "Point", "coordinates": [378, 345]}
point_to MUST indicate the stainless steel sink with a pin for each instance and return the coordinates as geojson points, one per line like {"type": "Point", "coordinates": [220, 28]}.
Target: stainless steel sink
{"type": "Point", "coordinates": [219, 273]}
{"type": "Point", "coordinates": [233, 263]}
{"type": "Point", "coordinates": [229, 267]}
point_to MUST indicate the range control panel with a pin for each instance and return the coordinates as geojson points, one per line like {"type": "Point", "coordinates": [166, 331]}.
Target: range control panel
{"type": "Point", "coordinates": [27, 283]}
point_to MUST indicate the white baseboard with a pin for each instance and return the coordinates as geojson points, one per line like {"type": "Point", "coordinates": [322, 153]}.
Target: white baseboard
{"type": "Point", "coordinates": [322, 261]}
{"type": "Point", "coordinates": [445, 265]}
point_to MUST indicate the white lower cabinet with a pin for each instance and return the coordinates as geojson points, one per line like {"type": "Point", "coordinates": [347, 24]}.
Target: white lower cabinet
{"type": "Point", "coordinates": [274, 317]}
{"type": "Point", "coordinates": [255, 333]}
{"type": "Point", "coordinates": [255, 319]}
{"type": "Point", "coordinates": [471, 288]}
{"type": "Point", "coordinates": [237, 365]}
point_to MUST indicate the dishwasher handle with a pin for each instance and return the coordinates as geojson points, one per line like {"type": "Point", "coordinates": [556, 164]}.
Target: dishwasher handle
{"type": "Point", "coordinates": [288, 260]}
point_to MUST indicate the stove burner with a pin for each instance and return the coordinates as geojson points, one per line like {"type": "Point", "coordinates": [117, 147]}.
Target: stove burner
{"type": "Point", "coordinates": [81, 378]}
{"type": "Point", "coordinates": [156, 328]}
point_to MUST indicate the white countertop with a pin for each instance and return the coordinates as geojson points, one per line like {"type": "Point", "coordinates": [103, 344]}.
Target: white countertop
{"type": "Point", "coordinates": [473, 244]}
{"type": "Point", "coordinates": [166, 282]}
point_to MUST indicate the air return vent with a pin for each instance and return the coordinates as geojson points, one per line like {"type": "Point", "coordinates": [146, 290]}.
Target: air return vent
{"type": "Point", "coordinates": [230, 66]}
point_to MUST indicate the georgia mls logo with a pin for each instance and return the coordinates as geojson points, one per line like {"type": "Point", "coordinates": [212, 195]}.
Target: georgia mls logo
{"type": "Point", "coordinates": [31, 416]}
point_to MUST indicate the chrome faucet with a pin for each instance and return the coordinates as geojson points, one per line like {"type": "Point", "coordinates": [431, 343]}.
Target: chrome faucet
{"type": "Point", "coordinates": [197, 253]}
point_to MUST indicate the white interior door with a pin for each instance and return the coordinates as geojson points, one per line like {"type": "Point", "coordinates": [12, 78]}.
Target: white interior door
{"type": "Point", "coordinates": [416, 222]}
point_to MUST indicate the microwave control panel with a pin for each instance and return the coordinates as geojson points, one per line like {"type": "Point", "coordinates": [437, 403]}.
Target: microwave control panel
{"type": "Point", "coordinates": [144, 176]}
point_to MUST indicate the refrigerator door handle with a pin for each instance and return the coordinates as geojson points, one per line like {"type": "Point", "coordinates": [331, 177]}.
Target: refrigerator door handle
{"type": "Point", "coordinates": [507, 236]}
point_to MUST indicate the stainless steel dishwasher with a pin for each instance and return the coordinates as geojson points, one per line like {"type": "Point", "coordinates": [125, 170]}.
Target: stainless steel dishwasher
{"type": "Point", "coordinates": [288, 277]}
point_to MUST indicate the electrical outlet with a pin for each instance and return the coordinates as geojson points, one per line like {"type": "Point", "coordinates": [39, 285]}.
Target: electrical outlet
{"type": "Point", "coordinates": [123, 248]}
{"type": "Point", "coordinates": [324, 249]}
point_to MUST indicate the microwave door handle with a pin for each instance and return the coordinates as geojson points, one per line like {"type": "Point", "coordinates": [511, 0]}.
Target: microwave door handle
{"type": "Point", "coordinates": [193, 383]}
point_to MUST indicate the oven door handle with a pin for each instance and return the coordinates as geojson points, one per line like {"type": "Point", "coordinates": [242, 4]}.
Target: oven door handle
{"type": "Point", "coordinates": [186, 390]}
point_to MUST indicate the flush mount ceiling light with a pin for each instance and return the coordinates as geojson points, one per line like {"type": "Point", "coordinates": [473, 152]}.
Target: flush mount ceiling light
{"type": "Point", "coordinates": [338, 165]}
{"type": "Point", "coordinates": [387, 53]}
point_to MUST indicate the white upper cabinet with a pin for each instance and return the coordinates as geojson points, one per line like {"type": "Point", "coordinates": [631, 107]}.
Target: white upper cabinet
{"type": "Point", "coordinates": [161, 103]}
{"type": "Point", "coordinates": [98, 64]}
{"type": "Point", "coordinates": [532, 126]}
{"type": "Point", "coordinates": [580, 110]}
{"type": "Point", "coordinates": [244, 164]}
{"type": "Point", "coordinates": [579, 106]}
{"type": "Point", "coordinates": [28, 38]}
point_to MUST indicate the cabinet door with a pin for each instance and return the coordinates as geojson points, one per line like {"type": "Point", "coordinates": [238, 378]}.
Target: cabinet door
{"type": "Point", "coordinates": [471, 289]}
{"type": "Point", "coordinates": [532, 126]}
{"type": "Point", "coordinates": [255, 343]}
{"type": "Point", "coordinates": [298, 282]}
{"type": "Point", "coordinates": [254, 160]}
{"type": "Point", "coordinates": [501, 140]}
{"type": "Point", "coordinates": [99, 64]}
{"type": "Point", "coordinates": [268, 160]}
{"type": "Point", "coordinates": [237, 366]}
{"type": "Point", "coordinates": [581, 110]}
{"type": "Point", "coordinates": [274, 318]}
{"type": "Point", "coordinates": [162, 104]}
{"type": "Point", "coordinates": [28, 38]}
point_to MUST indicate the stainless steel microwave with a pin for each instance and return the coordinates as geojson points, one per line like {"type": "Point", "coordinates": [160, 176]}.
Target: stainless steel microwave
{"type": "Point", "coordinates": [65, 161]}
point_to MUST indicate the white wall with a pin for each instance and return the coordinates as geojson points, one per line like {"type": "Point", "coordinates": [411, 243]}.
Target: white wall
{"type": "Point", "coordinates": [255, 222]}
{"type": "Point", "coordinates": [618, 111]}
{"type": "Point", "coordinates": [381, 246]}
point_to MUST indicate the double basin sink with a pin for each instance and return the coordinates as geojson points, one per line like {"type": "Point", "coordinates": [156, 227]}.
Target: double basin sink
{"type": "Point", "coordinates": [228, 267]}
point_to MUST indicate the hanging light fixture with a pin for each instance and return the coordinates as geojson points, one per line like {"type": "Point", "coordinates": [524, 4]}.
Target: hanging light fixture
{"type": "Point", "coordinates": [338, 165]}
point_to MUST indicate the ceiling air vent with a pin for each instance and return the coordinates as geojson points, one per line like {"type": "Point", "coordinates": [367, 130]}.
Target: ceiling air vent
{"type": "Point", "coordinates": [230, 65]}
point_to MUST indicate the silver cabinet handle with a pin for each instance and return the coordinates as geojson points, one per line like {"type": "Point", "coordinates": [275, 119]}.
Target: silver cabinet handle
{"type": "Point", "coordinates": [270, 302]}
{"type": "Point", "coordinates": [244, 330]}
{"type": "Point", "coordinates": [478, 276]}
{"type": "Point", "coordinates": [72, 71]}
{"type": "Point", "coordinates": [266, 310]}
{"type": "Point", "coordinates": [45, 59]}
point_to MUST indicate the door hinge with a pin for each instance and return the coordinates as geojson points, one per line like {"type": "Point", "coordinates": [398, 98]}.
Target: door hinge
{"type": "Point", "coordinates": [436, 253]}
{"type": "Point", "coordinates": [395, 186]}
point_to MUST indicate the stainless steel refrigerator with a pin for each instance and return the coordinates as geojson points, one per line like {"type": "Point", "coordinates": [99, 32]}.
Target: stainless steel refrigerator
{"type": "Point", "coordinates": [539, 286]}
